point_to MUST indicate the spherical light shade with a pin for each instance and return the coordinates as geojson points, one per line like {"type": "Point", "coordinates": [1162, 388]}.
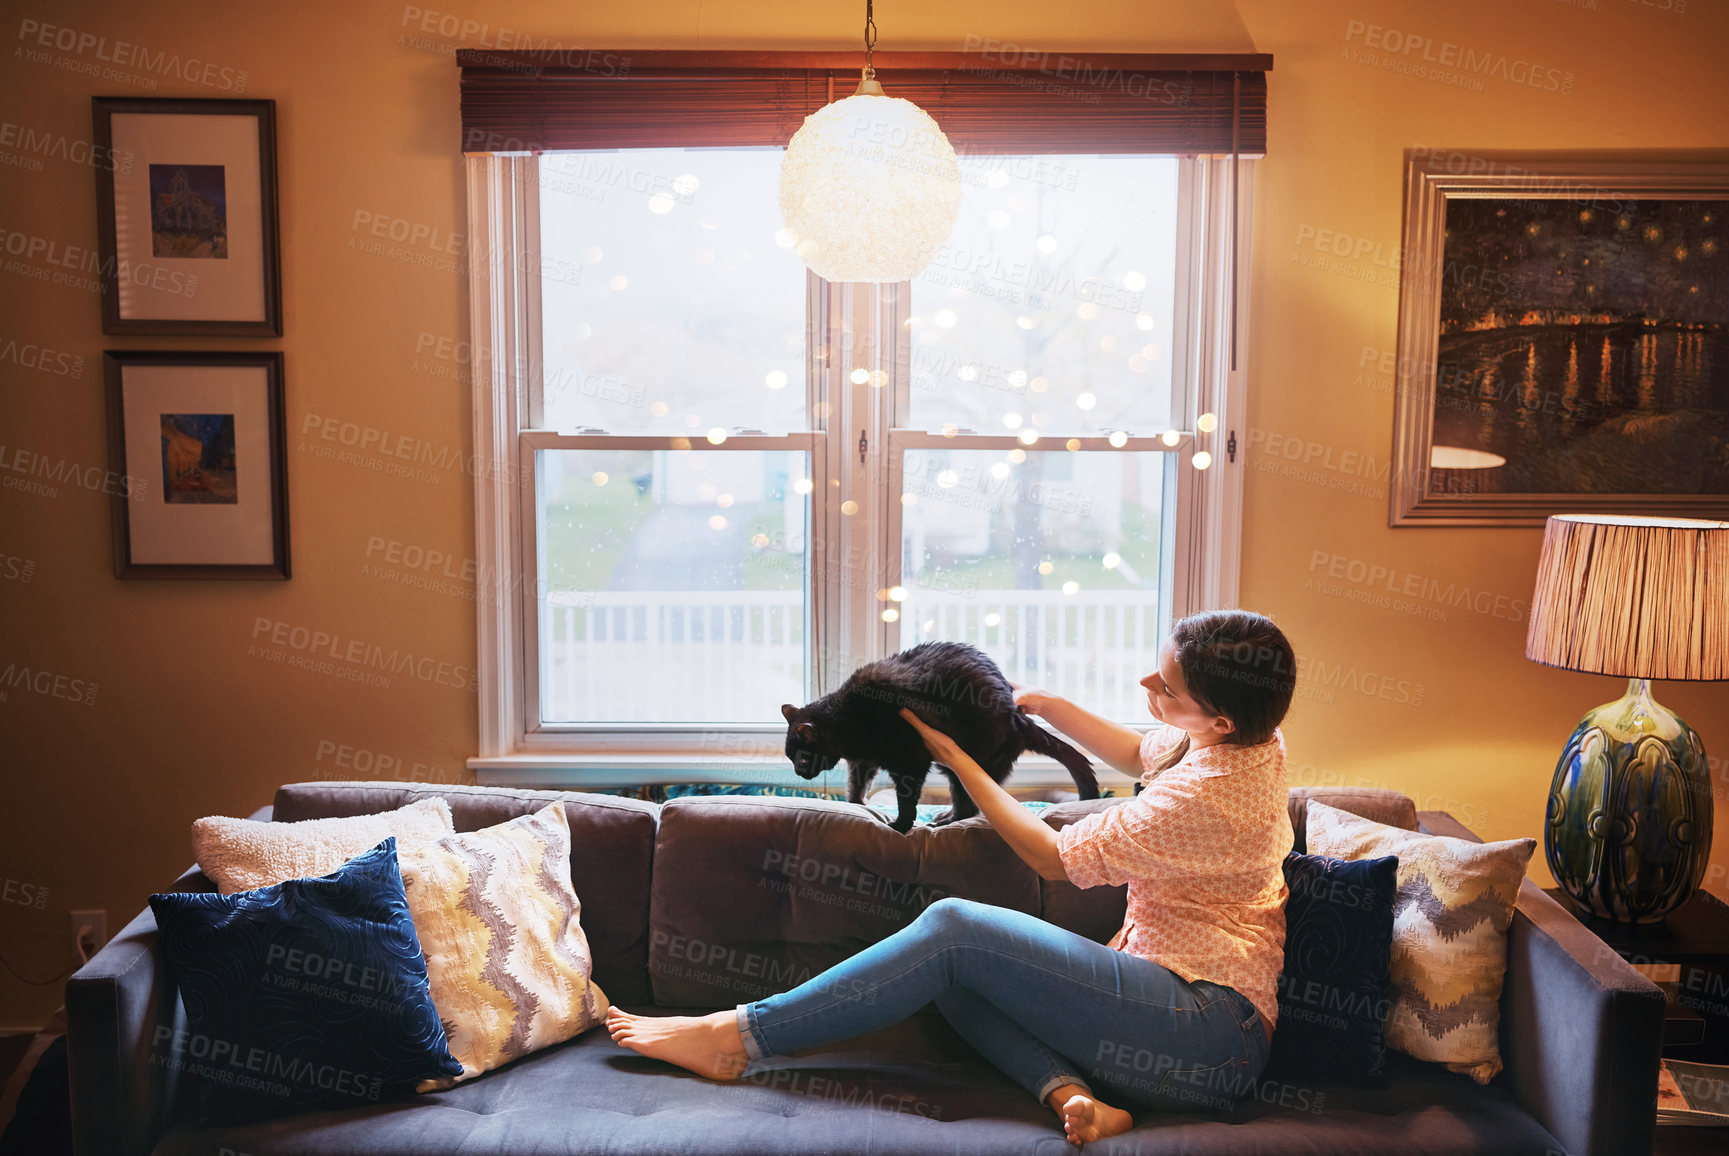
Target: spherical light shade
{"type": "Point", "coordinates": [869, 189]}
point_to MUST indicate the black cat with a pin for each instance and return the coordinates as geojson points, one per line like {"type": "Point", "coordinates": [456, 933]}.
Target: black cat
{"type": "Point", "coordinates": [955, 689]}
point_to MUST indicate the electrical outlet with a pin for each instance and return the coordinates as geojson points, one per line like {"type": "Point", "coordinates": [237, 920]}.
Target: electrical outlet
{"type": "Point", "coordinates": [94, 938]}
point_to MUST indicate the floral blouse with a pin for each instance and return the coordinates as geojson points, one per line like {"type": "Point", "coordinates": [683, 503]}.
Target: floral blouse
{"type": "Point", "coordinates": [1202, 849]}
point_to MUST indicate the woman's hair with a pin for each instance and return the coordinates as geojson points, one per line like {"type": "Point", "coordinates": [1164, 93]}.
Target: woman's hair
{"type": "Point", "coordinates": [1238, 664]}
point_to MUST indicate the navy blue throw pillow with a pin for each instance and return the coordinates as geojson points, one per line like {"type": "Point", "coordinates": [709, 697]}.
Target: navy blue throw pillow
{"type": "Point", "coordinates": [306, 994]}
{"type": "Point", "coordinates": [1335, 990]}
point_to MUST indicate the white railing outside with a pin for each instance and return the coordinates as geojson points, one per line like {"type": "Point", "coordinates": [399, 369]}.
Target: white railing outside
{"type": "Point", "coordinates": [1092, 647]}
{"type": "Point", "coordinates": [735, 656]}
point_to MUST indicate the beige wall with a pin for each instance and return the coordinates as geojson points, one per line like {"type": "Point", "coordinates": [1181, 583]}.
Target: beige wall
{"type": "Point", "coordinates": [188, 721]}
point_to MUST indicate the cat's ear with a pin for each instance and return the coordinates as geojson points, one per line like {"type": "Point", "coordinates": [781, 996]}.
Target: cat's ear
{"type": "Point", "coordinates": [805, 732]}
{"type": "Point", "coordinates": [789, 712]}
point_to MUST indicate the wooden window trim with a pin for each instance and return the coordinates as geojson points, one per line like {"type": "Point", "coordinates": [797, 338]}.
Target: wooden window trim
{"type": "Point", "coordinates": [990, 100]}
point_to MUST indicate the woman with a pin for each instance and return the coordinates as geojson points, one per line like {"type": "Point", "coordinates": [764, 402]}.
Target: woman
{"type": "Point", "coordinates": [1178, 1009]}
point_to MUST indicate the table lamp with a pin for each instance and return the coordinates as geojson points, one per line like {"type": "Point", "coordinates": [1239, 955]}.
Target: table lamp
{"type": "Point", "coordinates": [1629, 820]}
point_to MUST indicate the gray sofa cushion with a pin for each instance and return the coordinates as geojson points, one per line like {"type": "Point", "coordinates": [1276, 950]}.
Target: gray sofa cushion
{"type": "Point", "coordinates": [753, 895]}
{"type": "Point", "coordinates": [1383, 806]}
{"type": "Point", "coordinates": [910, 1090]}
{"type": "Point", "coordinates": [611, 854]}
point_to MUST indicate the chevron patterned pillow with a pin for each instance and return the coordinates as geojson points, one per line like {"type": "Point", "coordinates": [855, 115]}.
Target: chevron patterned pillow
{"type": "Point", "coordinates": [501, 927]}
{"type": "Point", "coordinates": [1450, 918]}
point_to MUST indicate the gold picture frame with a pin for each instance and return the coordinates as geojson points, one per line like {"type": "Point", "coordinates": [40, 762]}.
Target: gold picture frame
{"type": "Point", "coordinates": [1523, 353]}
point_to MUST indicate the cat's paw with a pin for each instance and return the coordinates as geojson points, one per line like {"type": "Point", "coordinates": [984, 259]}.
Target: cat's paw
{"type": "Point", "coordinates": [944, 816]}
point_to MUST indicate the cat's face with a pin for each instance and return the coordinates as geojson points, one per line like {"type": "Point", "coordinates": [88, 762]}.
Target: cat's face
{"type": "Point", "coordinates": [804, 746]}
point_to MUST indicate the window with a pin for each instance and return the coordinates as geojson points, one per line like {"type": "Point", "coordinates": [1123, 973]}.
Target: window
{"type": "Point", "coordinates": [1048, 317]}
{"type": "Point", "coordinates": [722, 483]}
{"type": "Point", "coordinates": [674, 579]}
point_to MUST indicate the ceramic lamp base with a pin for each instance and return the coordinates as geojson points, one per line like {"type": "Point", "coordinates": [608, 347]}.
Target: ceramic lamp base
{"type": "Point", "coordinates": [1629, 824]}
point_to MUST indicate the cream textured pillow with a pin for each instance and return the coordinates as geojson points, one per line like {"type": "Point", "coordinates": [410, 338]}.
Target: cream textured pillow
{"type": "Point", "coordinates": [501, 929]}
{"type": "Point", "coordinates": [1450, 919]}
{"type": "Point", "coordinates": [243, 854]}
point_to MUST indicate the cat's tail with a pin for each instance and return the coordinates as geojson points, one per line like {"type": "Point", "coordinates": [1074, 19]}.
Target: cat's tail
{"type": "Point", "coordinates": [1042, 741]}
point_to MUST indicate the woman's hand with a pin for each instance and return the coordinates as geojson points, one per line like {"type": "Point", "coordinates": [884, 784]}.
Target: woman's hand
{"type": "Point", "coordinates": [1116, 744]}
{"type": "Point", "coordinates": [1033, 701]}
{"type": "Point", "coordinates": [1032, 838]}
{"type": "Point", "coordinates": [942, 748]}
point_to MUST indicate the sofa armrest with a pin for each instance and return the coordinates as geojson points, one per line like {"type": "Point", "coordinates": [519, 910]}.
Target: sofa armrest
{"type": "Point", "coordinates": [123, 1014]}
{"type": "Point", "coordinates": [1581, 1030]}
{"type": "Point", "coordinates": [120, 1008]}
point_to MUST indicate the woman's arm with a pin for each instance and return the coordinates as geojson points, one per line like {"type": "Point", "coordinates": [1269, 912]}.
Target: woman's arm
{"type": "Point", "coordinates": [1030, 838]}
{"type": "Point", "coordinates": [1117, 745]}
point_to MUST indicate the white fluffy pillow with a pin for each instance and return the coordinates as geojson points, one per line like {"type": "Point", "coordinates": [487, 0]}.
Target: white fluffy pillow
{"type": "Point", "coordinates": [242, 854]}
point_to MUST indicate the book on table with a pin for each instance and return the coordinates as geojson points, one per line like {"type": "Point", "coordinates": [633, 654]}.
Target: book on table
{"type": "Point", "coordinates": [1693, 1094]}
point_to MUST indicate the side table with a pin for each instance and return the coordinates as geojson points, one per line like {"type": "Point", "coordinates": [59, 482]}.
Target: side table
{"type": "Point", "coordinates": [1694, 939]}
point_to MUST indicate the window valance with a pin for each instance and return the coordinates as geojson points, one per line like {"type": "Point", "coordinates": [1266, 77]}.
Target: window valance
{"type": "Point", "coordinates": [991, 98]}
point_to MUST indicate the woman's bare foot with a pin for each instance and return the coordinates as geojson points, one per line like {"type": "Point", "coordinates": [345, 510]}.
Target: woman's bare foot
{"type": "Point", "coordinates": [1086, 1117]}
{"type": "Point", "coordinates": [707, 1045]}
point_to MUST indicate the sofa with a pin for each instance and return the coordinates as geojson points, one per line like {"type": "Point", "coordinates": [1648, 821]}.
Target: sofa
{"type": "Point", "coordinates": [699, 903]}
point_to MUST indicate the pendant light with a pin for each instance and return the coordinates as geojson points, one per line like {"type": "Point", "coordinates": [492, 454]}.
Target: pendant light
{"type": "Point", "coordinates": [869, 187]}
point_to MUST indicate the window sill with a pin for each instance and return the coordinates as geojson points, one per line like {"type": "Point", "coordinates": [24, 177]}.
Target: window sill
{"type": "Point", "coordinates": [576, 772]}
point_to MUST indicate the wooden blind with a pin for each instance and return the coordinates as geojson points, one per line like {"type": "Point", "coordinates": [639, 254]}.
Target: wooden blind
{"type": "Point", "coordinates": [986, 100]}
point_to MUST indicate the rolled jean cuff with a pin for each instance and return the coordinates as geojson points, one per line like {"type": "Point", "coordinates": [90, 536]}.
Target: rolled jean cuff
{"type": "Point", "coordinates": [748, 1034]}
{"type": "Point", "coordinates": [1055, 1082]}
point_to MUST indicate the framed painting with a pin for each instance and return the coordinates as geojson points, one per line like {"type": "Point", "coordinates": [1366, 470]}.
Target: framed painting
{"type": "Point", "coordinates": [1563, 337]}
{"type": "Point", "coordinates": [199, 440]}
{"type": "Point", "coordinates": [187, 226]}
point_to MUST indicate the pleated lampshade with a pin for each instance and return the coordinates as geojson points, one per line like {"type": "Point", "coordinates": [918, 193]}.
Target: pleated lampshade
{"type": "Point", "coordinates": [1632, 596]}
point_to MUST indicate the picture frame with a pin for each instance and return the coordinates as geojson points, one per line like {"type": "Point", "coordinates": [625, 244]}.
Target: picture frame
{"type": "Point", "coordinates": [1557, 353]}
{"type": "Point", "coordinates": [187, 227]}
{"type": "Point", "coordinates": [199, 443]}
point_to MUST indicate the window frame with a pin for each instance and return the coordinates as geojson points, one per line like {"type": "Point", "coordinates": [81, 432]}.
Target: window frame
{"type": "Point", "coordinates": [1199, 555]}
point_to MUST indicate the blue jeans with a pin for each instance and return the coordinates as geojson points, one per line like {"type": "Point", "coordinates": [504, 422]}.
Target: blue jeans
{"type": "Point", "coordinates": [1046, 1006]}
